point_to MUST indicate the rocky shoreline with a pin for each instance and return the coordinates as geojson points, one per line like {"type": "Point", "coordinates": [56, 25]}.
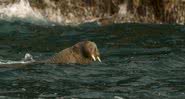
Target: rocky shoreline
{"type": "Point", "coordinates": [104, 11]}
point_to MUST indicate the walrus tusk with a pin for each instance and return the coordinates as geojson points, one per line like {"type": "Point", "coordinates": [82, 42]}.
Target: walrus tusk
{"type": "Point", "coordinates": [93, 57]}
{"type": "Point", "coordinates": [99, 59]}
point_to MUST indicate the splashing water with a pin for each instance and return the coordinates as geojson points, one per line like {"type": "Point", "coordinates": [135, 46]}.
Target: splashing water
{"type": "Point", "coordinates": [52, 14]}
{"type": "Point", "coordinates": [20, 10]}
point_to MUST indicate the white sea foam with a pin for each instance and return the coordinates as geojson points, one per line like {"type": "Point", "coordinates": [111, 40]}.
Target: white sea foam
{"type": "Point", "coordinates": [27, 59]}
{"type": "Point", "coordinates": [22, 10]}
{"type": "Point", "coordinates": [13, 62]}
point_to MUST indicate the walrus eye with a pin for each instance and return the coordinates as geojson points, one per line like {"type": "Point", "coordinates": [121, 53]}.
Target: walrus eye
{"type": "Point", "coordinates": [93, 57]}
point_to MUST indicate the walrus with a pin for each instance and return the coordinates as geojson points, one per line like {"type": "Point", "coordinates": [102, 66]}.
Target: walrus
{"type": "Point", "coordinates": [84, 52]}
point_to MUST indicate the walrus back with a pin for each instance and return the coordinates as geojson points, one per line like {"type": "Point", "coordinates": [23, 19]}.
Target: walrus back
{"type": "Point", "coordinates": [68, 56]}
{"type": "Point", "coordinates": [64, 56]}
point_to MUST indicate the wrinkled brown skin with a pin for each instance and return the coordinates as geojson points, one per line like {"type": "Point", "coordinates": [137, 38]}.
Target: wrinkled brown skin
{"type": "Point", "coordinates": [79, 53]}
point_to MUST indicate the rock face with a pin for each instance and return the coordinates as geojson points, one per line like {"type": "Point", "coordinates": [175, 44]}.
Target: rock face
{"type": "Point", "coordinates": [80, 11]}
{"type": "Point", "coordinates": [81, 53]}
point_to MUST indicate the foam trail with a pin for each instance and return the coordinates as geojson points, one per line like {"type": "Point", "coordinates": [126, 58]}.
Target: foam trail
{"type": "Point", "coordinates": [27, 59]}
{"type": "Point", "coordinates": [13, 62]}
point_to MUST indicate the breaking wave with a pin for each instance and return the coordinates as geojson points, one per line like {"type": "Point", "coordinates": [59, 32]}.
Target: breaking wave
{"type": "Point", "coordinates": [21, 10]}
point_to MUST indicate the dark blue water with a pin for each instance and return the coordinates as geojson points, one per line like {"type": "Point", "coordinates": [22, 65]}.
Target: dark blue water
{"type": "Point", "coordinates": [139, 61]}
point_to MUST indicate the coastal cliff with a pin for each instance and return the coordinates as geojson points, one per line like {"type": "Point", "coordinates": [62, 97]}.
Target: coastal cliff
{"type": "Point", "coordinates": [102, 11]}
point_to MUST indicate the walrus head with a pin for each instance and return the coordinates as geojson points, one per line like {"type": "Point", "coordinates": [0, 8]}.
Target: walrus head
{"type": "Point", "coordinates": [89, 50]}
